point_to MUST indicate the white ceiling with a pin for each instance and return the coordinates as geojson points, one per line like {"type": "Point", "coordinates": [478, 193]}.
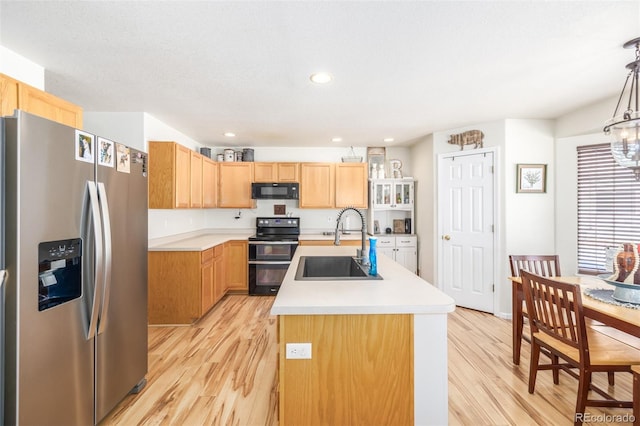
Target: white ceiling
{"type": "Point", "coordinates": [401, 69]}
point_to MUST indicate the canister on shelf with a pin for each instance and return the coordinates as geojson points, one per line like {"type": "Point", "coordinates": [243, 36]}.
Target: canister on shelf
{"type": "Point", "coordinates": [247, 154]}
{"type": "Point", "coordinates": [238, 155]}
{"type": "Point", "coordinates": [220, 157]}
{"type": "Point", "coordinates": [229, 155]}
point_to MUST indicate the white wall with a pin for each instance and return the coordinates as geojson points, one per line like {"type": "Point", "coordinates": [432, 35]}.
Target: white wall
{"type": "Point", "coordinates": [21, 68]}
{"type": "Point", "coordinates": [529, 223]}
{"type": "Point", "coordinates": [422, 164]}
{"type": "Point", "coordinates": [587, 120]}
{"type": "Point", "coordinates": [136, 129]}
{"type": "Point", "coordinates": [517, 141]}
{"type": "Point", "coordinates": [168, 222]}
{"type": "Point", "coordinates": [123, 127]}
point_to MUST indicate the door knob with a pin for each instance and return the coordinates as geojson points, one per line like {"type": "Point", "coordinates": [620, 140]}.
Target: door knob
{"type": "Point", "coordinates": [446, 237]}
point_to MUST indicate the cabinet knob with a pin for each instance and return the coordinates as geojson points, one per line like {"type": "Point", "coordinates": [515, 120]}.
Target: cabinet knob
{"type": "Point", "coordinates": [446, 237]}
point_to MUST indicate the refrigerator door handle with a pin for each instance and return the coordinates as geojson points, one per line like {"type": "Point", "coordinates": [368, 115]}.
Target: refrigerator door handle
{"type": "Point", "coordinates": [92, 214]}
{"type": "Point", "coordinates": [106, 226]}
{"type": "Point", "coordinates": [4, 275]}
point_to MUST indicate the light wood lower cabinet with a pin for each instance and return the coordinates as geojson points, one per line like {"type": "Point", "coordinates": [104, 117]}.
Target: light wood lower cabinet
{"type": "Point", "coordinates": [362, 368]}
{"type": "Point", "coordinates": [219, 286]}
{"type": "Point", "coordinates": [207, 290]}
{"type": "Point", "coordinates": [236, 266]}
{"type": "Point", "coordinates": [184, 285]}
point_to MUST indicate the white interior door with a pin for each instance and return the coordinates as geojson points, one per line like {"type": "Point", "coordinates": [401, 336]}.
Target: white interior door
{"type": "Point", "coordinates": [466, 218]}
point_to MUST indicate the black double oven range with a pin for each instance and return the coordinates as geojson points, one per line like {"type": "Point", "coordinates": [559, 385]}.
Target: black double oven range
{"type": "Point", "coordinates": [270, 252]}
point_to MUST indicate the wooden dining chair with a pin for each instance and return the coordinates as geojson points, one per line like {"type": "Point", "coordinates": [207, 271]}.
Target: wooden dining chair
{"type": "Point", "coordinates": [545, 265]}
{"type": "Point", "coordinates": [636, 394]}
{"type": "Point", "coordinates": [557, 323]}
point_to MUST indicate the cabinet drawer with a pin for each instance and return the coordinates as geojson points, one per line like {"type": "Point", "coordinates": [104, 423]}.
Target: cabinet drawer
{"type": "Point", "coordinates": [406, 241]}
{"type": "Point", "coordinates": [386, 242]}
{"type": "Point", "coordinates": [207, 255]}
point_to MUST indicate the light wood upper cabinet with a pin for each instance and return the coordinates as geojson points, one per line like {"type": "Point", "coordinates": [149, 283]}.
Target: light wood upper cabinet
{"type": "Point", "coordinates": [351, 185]}
{"type": "Point", "coordinates": [196, 180]}
{"type": "Point", "coordinates": [331, 185]}
{"type": "Point", "coordinates": [8, 95]}
{"type": "Point", "coordinates": [15, 94]}
{"type": "Point", "coordinates": [288, 172]}
{"type": "Point", "coordinates": [209, 183]}
{"type": "Point", "coordinates": [276, 172]}
{"type": "Point", "coordinates": [317, 185]}
{"type": "Point", "coordinates": [182, 177]}
{"type": "Point", "coordinates": [265, 172]}
{"type": "Point", "coordinates": [169, 175]}
{"type": "Point", "coordinates": [234, 185]}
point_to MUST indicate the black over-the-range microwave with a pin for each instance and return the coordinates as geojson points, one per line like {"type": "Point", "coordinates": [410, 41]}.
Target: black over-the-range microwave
{"type": "Point", "coordinates": [275, 191]}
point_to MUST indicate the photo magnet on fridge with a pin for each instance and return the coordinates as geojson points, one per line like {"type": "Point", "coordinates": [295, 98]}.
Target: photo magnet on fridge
{"type": "Point", "coordinates": [84, 146]}
{"type": "Point", "coordinates": [105, 152]}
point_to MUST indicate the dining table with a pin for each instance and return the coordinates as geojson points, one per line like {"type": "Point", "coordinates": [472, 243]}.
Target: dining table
{"type": "Point", "coordinates": [618, 316]}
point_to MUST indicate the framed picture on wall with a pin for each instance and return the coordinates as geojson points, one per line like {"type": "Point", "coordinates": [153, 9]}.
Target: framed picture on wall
{"type": "Point", "coordinates": [532, 178]}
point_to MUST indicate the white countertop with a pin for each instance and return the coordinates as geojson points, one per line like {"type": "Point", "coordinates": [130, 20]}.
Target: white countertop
{"type": "Point", "coordinates": [197, 241]}
{"type": "Point", "coordinates": [207, 238]}
{"type": "Point", "coordinates": [321, 237]}
{"type": "Point", "coordinates": [399, 292]}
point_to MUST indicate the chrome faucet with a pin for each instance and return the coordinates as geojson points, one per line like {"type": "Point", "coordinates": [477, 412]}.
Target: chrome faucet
{"type": "Point", "coordinates": [361, 253]}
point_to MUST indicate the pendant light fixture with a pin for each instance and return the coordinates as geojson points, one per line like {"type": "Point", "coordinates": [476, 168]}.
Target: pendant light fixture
{"type": "Point", "coordinates": [625, 127]}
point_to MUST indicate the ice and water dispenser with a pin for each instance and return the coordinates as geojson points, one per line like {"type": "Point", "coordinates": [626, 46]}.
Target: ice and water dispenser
{"type": "Point", "coordinates": [59, 272]}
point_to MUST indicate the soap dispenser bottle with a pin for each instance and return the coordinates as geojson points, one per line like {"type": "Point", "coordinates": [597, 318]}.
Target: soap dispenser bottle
{"type": "Point", "coordinates": [373, 258]}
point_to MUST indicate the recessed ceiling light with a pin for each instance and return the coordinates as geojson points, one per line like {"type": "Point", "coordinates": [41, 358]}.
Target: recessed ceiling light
{"type": "Point", "coordinates": [321, 77]}
{"type": "Point", "coordinates": [336, 140]}
{"type": "Point", "coordinates": [387, 140]}
{"type": "Point", "coordinates": [230, 134]}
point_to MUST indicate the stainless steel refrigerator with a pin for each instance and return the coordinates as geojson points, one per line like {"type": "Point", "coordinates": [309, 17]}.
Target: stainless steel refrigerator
{"type": "Point", "coordinates": [75, 248]}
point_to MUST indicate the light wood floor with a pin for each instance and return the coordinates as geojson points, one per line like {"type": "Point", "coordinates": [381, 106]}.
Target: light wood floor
{"type": "Point", "coordinates": [222, 371]}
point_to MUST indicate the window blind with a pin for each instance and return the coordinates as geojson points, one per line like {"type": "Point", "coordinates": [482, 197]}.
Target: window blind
{"type": "Point", "coordinates": [608, 206]}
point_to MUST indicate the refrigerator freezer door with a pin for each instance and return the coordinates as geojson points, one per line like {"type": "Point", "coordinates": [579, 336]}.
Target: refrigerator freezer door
{"type": "Point", "coordinates": [49, 365]}
{"type": "Point", "coordinates": [122, 343]}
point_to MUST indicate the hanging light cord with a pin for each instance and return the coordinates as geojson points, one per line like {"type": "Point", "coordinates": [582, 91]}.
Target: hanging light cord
{"type": "Point", "coordinates": [634, 86]}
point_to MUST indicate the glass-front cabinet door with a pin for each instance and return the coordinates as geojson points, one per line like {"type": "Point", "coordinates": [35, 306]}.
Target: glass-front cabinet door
{"type": "Point", "coordinates": [382, 193]}
{"type": "Point", "coordinates": [403, 194]}
{"type": "Point", "coordinates": [392, 194]}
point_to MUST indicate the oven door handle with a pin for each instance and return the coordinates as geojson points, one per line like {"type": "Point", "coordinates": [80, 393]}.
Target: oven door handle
{"type": "Point", "coordinates": [267, 262]}
{"type": "Point", "coordinates": [270, 243]}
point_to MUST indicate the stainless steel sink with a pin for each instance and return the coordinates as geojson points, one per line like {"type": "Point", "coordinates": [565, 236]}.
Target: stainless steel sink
{"type": "Point", "coordinates": [332, 268]}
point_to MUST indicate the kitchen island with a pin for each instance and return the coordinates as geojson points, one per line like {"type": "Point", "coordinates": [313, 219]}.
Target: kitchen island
{"type": "Point", "coordinates": [378, 347]}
